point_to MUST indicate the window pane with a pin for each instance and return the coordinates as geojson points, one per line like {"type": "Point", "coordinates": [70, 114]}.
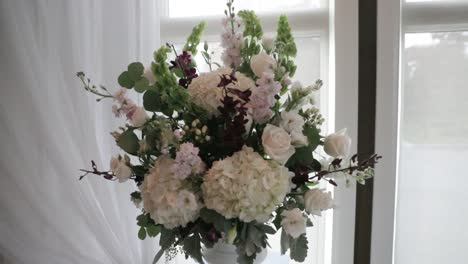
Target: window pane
{"type": "Point", "coordinates": [431, 206]}
{"type": "Point", "coordinates": [191, 8]}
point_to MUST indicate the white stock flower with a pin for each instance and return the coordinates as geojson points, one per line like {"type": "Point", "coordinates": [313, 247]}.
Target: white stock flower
{"type": "Point", "coordinates": [317, 200]}
{"type": "Point", "coordinates": [277, 143]}
{"type": "Point", "coordinates": [120, 168]}
{"type": "Point", "coordinates": [204, 90]}
{"type": "Point", "coordinates": [261, 63]}
{"type": "Point", "coordinates": [165, 197]}
{"type": "Point", "coordinates": [294, 223]}
{"type": "Point", "coordinates": [337, 144]}
{"type": "Point", "coordinates": [246, 186]}
{"type": "Point", "coordinates": [139, 117]}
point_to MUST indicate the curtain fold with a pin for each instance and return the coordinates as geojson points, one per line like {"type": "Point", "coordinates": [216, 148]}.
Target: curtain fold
{"type": "Point", "coordinates": [50, 128]}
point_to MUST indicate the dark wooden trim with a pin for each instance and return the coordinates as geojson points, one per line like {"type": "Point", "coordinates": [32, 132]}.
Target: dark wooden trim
{"type": "Point", "coordinates": [366, 124]}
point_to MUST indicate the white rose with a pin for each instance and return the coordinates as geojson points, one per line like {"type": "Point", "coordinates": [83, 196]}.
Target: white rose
{"type": "Point", "coordinates": [337, 144]}
{"type": "Point", "coordinates": [277, 143]}
{"type": "Point", "coordinates": [317, 200]}
{"type": "Point", "coordinates": [261, 63]}
{"type": "Point", "coordinates": [294, 223]}
{"type": "Point", "coordinates": [298, 139]}
{"type": "Point", "coordinates": [268, 42]}
{"type": "Point", "coordinates": [139, 117]}
{"type": "Point", "coordinates": [148, 74]}
{"type": "Point", "coordinates": [291, 121]}
{"type": "Point", "coordinates": [120, 168]}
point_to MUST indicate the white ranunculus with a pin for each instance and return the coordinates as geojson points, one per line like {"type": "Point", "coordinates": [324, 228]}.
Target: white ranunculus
{"type": "Point", "coordinates": [277, 143]}
{"type": "Point", "coordinates": [148, 74]}
{"type": "Point", "coordinates": [298, 139]}
{"type": "Point", "coordinates": [268, 42]}
{"type": "Point", "coordinates": [261, 63]}
{"type": "Point", "coordinates": [337, 144]}
{"type": "Point", "coordinates": [291, 121]}
{"type": "Point", "coordinates": [139, 117]}
{"type": "Point", "coordinates": [317, 200]}
{"type": "Point", "coordinates": [120, 169]}
{"type": "Point", "coordinates": [294, 223]}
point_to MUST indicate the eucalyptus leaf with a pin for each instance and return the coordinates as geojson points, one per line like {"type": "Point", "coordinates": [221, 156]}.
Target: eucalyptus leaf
{"type": "Point", "coordinates": [152, 101]}
{"type": "Point", "coordinates": [128, 141]}
{"type": "Point", "coordinates": [135, 71]}
{"type": "Point", "coordinates": [153, 230]}
{"type": "Point", "coordinates": [124, 80]}
{"type": "Point", "coordinates": [142, 233]}
{"type": "Point", "coordinates": [285, 242]}
{"type": "Point", "coordinates": [141, 85]}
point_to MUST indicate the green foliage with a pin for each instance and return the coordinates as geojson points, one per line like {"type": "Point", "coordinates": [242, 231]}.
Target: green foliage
{"type": "Point", "coordinates": [285, 47]}
{"type": "Point", "coordinates": [166, 240]}
{"type": "Point", "coordinates": [252, 25]}
{"type": "Point", "coordinates": [194, 39]}
{"type": "Point", "coordinates": [141, 85]}
{"type": "Point", "coordinates": [171, 93]}
{"type": "Point", "coordinates": [192, 247]}
{"type": "Point", "coordinates": [128, 142]}
{"type": "Point", "coordinates": [219, 222]}
{"type": "Point", "coordinates": [298, 248]}
{"type": "Point", "coordinates": [152, 101]}
{"type": "Point", "coordinates": [142, 233]}
{"type": "Point", "coordinates": [313, 135]}
{"type": "Point", "coordinates": [285, 40]}
{"type": "Point", "coordinates": [132, 75]}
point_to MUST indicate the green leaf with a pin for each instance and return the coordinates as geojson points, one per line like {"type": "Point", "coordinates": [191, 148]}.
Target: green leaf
{"type": "Point", "coordinates": [212, 217]}
{"type": "Point", "coordinates": [313, 135]}
{"type": "Point", "coordinates": [141, 85]}
{"type": "Point", "coordinates": [142, 220]}
{"type": "Point", "coordinates": [194, 38]}
{"type": "Point", "coordinates": [299, 248]}
{"type": "Point", "coordinates": [192, 248]}
{"type": "Point", "coordinates": [128, 141]}
{"type": "Point", "coordinates": [142, 233]}
{"type": "Point", "coordinates": [167, 238]}
{"type": "Point", "coordinates": [152, 101]}
{"type": "Point", "coordinates": [124, 80]}
{"type": "Point", "coordinates": [277, 220]}
{"type": "Point", "coordinates": [153, 230]}
{"type": "Point", "coordinates": [285, 242]}
{"type": "Point", "coordinates": [135, 71]}
{"type": "Point", "coordinates": [268, 229]}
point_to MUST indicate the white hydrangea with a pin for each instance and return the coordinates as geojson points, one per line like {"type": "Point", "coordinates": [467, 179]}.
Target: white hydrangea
{"type": "Point", "coordinates": [246, 186]}
{"type": "Point", "coordinates": [204, 90]}
{"type": "Point", "coordinates": [165, 197]}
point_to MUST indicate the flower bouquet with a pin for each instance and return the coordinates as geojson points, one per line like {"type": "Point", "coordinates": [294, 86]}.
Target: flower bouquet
{"type": "Point", "coordinates": [230, 155]}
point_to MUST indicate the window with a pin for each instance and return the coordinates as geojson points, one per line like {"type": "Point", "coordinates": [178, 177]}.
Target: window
{"type": "Point", "coordinates": [433, 127]}
{"type": "Point", "coordinates": [323, 41]}
{"type": "Point", "coordinates": [427, 211]}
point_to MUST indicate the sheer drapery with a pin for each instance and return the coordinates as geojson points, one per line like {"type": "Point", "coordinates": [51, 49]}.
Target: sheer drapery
{"type": "Point", "coordinates": [49, 128]}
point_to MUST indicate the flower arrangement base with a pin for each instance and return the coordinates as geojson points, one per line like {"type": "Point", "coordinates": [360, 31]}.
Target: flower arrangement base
{"type": "Point", "coordinates": [226, 254]}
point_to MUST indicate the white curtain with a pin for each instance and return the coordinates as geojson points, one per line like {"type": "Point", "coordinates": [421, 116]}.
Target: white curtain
{"type": "Point", "coordinates": [50, 128]}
